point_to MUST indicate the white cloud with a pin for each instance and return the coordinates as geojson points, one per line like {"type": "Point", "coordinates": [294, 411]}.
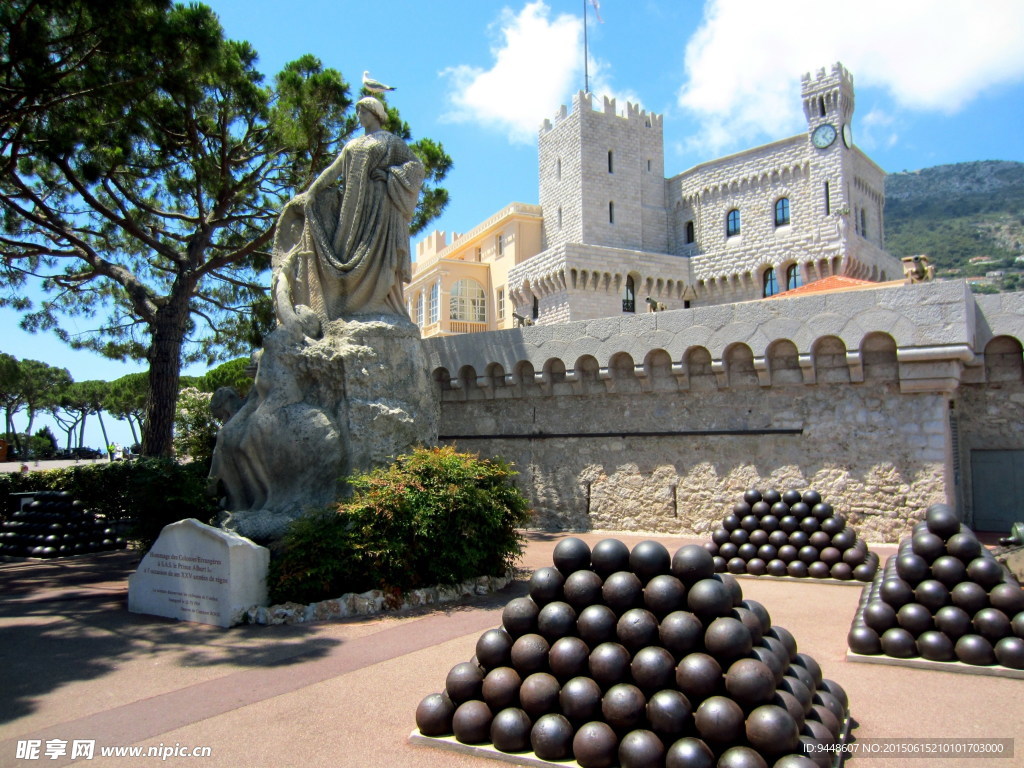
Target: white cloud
{"type": "Point", "coordinates": [742, 66]}
{"type": "Point", "coordinates": [537, 64]}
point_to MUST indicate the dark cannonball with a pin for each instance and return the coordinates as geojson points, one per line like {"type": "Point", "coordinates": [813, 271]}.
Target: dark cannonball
{"type": "Point", "coordinates": [964, 546]}
{"type": "Point", "coordinates": [471, 722]}
{"type": "Point", "coordinates": [595, 745]}
{"type": "Point", "coordinates": [1007, 597]}
{"type": "Point", "coordinates": [789, 523]}
{"type": "Point", "coordinates": [750, 682]}
{"type": "Point", "coordinates": [797, 569]}
{"type": "Point", "coordinates": [760, 612]}
{"type": "Point", "coordinates": [653, 668]}
{"type": "Point", "coordinates": [519, 616]}
{"type": "Point", "coordinates": [551, 737]}
{"type": "Point", "coordinates": [1010, 652]}
{"type": "Point", "coordinates": [538, 694]}
{"type": "Point", "coordinates": [741, 508]}
{"type": "Point", "coordinates": [741, 757]}
{"type": "Point", "coordinates": [779, 510]}
{"type": "Point", "coordinates": [501, 688]}
{"type": "Point", "coordinates": [719, 537]}
{"type": "Point", "coordinates": [752, 496]}
{"type": "Point", "coordinates": [794, 760]}
{"type": "Point", "coordinates": [841, 571]}
{"type": "Point", "coordinates": [698, 675]}
{"type": "Point", "coordinates": [757, 567]}
{"type": "Point", "coordinates": [911, 568]}
{"type": "Point", "coordinates": [649, 559]}
{"type": "Point", "coordinates": [866, 570]}
{"type": "Point", "coordinates": [641, 749]}
{"type": "Point", "coordinates": [807, 554]}
{"type": "Point", "coordinates": [752, 622]}
{"type": "Point", "coordinates": [819, 731]}
{"type": "Point", "coordinates": [728, 551]}
{"type": "Point", "coordinates": [691, 564]}
{"type": "Point", "coordinates": [932, 594]}
{"type": "Point", "coordinates": [863, 639]}
{"type": "Point", "coordinates": [510, 730]}
{"type": "Point", "coordinates": [985, 571]}
{"type": "Point", "coordinates": [767, 552]}
{"type": "Point", "coordinates": [769, 524]}
{"type": "Point", "coordinates": [785, 637]}
{"type": "Point", "coordinates": [664, 594]}
{"type": "Point", "coordinates": [796, 688]}
{"type": "Point", "coordinates": [845, 539]}
{"type": "Point", "coordinates": [803, 675]}
{"type": "Point", "coordinates": [571, 554]}
{"type": "Point", "coordinates": [792, 496]}
{"type": "Point", "coordinates": [811, 497]}
{"type": "Point", "coordinates": [772, 730]}
{"type": "Point", "coordinates": [546, 585]}
{"type": "Point", "coordinates": [709, 598]}
{"type": "Point", "coordinates": [830, 556]}
{"type": "Point", "coordinates": [809, 524]}
{"type": "Point", "coordinates": [719, 720]}
{"type": "Point", "coordinates": [609, 664]}
{"type": "Point", "coordinates": [494, 649]}
{"type": "Point", "coordinates": [791, 704]}
{"type": "Point", "coordinates": [942, 520]}
{"type": "Point", "coordinates": [759, 537]}
{"type": "Point", "coordinates": [530, 654]}
{"type": "Point", "coordinates": [948, 570]}
{"type": "Point", "coordinates": [992, 624]}
{"type": "Point", "coordinates": [896, 592]}
{"type": "Point", "coordinates": [637, 628]}
{"type": "Point", "coordinates": [727, 638]}
{"type": "Point", "coordinates": [832, 524]}
{"type": "Point", "coordinates": [611, 555]}
{"type": "Point", "coordinates": [434, 715]}
{"type": "Point", "coordinates": [669, 713]}
{"type": "Point", "coordinates": [689, 752]}
{"type": "Point", "coordinates": [778, 538]}
{"type": "Point", "coordinates": [953, 622]}
{"type": "Point", "coordinates": [720, 563]}
{"type": "Point", "coordinates": [935, 646]}
{"type": "Point", "coordinates": [680, 632]}
{"type": "Point", "coordinates": [596, 624]}
{"type": "Point", "coordinates": [976, 650]}
{"type": "Point", "coordinates": [739, 537]}
{"type": "Point", "coordinates": [969, 596]}
{"type": "Point", "coordinates": [915, 618]}
{"type": "Point", "coordinates": [898, 643]}
{"type": "Point", "coordinates": [787, 553]}
{"type": "Point", "coordinates": [733, 585]}
{"type": "Point", "coordinates": [750, 523]}
{"type": "Point", "coordinates": [799, 539]}
{"type": "Point", "coordinates": [824, 716]}
{"type": "Point", "coordinates": [622, 591]}
{"type": "Point", "coordinates": [801, 510]}
{"type": "Point", "coordinates": [767, 656]}
{"type": "Point", "coordinates": [761, 508]}
{"type": "Point", "coordinates": [581, 589]}
{"type": "Point", "coordinates": [771, 496]}
{"type": "Point", "coordinates": [853, 556]}
{"type": "Point", "coordinates": [580, 700]}
{"type": "Point", "coordinates": [1017, 622]}
{"type": "Point", "coordinates": [464, 682]}
{"type": "Point", "coordinates": [928, 545]}
{"type": "Point", "coordinates": [776, 567]}
{"type": "Point", "coordinates": [747, 551]}
{"type": "Point", "coordinates": [556, 620]}
{"type": "Point", "coordinates": [736, 565]}
{"type": "Point", "coordinates": [811, 665]}
{"type": "Point", "coordinates": [731, 522]}
{"type": "Point", "coordinates": [712, 549]}
{"type": "Point", "coordinates": [830, 702]}
{"type": "Point", "coordinates": [624, 706]}
{"type": "Point", "coordinates": [569, 657]}
{"type": "Point", "coordinates": [818, 570]}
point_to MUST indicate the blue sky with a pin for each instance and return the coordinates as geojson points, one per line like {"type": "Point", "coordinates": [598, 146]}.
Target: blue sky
{"type": "Point", "coordinates": [937, 81]}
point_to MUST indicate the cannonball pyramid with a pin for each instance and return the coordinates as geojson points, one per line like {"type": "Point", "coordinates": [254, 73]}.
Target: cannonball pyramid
{"type": "Point", "coordinates": [640, 659]}
{"type": "Point", "coordinates": [790, 534]}
{"type": "Point", "coordinates": [53, 525]}
{"type": "Point", "coordinates": [942, 597]}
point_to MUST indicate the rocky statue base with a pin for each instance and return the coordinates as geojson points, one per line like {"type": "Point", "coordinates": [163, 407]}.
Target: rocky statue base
{"type": "Point", "coordinates": [321, 409]}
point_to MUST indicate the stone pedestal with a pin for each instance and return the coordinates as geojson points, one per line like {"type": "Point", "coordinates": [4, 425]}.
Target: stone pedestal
{"type": "Point", "coordinates": [322, 409]}
{"type": "Point", "coordinates": [195, 572]}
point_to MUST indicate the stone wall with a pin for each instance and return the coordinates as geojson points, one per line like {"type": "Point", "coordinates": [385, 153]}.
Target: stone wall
{"type": "Point", "coordinates": [660, 422]}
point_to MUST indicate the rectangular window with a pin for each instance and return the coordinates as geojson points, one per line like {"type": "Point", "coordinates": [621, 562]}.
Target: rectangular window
{"type": "Point", "coordinates": [499, 304]}
{"type": "Point", "coordinates": [828, 201]}
{"type": "Point", "coordinates": [610, 166]}
{"type": "Point", "coordinates": [435, 302]}
{"type": "Point", "coordinates": [499, 245]}
{"type": "Point", "coordinates": [611, 212]}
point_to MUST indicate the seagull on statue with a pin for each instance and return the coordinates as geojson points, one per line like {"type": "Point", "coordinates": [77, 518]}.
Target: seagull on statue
{"type": "Point", "coordinates": [374, 86]}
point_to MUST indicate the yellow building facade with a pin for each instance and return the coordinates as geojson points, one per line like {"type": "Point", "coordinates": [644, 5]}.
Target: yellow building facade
{"type": "Point", "coordinates": [462, 286]}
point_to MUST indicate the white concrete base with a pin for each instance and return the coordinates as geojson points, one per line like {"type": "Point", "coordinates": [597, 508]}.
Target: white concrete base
{"type": "Point", "coordinates": [996, 670]}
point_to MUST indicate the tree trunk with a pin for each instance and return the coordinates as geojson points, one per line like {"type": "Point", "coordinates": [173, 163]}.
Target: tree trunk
{"type": "Point", "coordinates": [103, 429]}
{"type": "Point", "coordinates": [165, 372]}
{"type": "Point", "coordinates": [81, 433]}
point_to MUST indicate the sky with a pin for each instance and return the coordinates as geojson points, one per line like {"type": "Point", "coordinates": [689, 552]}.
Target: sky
{"type": "Point", "coordinates": [937, 82]}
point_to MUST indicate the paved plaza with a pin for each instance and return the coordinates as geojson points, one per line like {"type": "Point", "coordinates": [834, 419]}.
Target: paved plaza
{"type": "Point", "coordinates": [75, 665]}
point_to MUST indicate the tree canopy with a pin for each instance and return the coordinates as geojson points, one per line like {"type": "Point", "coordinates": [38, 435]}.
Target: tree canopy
{"type": "Point", "coordinates": [143, 167]}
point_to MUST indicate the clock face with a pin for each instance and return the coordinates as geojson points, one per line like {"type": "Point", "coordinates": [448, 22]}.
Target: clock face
{"type": "Point", "coordinates": [824, 135]}
{"type": "Point", "coordinates": [847, 135]}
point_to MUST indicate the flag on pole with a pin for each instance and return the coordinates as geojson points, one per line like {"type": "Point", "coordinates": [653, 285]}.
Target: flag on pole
{"type": "Point", "coordinates": [597, 10]}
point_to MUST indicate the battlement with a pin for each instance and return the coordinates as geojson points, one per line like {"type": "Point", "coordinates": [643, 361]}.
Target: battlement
{"type": "Point", "coordinates": [583, 103]}
{"type": "Point", "coordinates": [824, 78]}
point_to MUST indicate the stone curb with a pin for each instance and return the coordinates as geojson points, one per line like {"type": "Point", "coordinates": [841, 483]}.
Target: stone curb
{"type": "Point", "coordinates": [370, 603]}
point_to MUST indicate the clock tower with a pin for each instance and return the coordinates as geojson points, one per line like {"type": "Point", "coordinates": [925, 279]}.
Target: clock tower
{"type": "Point", "coordinates": [828, 106]}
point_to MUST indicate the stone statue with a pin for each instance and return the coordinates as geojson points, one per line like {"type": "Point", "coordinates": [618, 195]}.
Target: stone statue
{"type": "Point", "coordinates": [341, 384]}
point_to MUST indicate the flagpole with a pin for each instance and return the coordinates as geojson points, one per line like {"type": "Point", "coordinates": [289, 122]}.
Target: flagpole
{"type": "Point", "coordinates": [586, 68]}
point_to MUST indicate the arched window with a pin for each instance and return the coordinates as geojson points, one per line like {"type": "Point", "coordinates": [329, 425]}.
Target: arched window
{"type": "Point", "coordinates": [468, 302]}
{"type": "Point", "coordinates": [629, 300]}
{"type": "Point", "coordinates": [419, 309]}
{"type": "Point", "coordinates": [771, 282]}
{"type": "Point", "coordinates": [782, 212]}
{"type": "Point", "coordinates": [732, 223]}
{"type": "Point", "coordinates": [435, 301]}
{"type": "Point", "coordinates": [689, 232]}
{"type": "Point", "coordinates": [793, 277]}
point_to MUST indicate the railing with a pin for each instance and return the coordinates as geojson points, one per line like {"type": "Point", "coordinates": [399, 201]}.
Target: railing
{"type": "Point", "coordinates": [460, 326]}
{"type": "Point", "coordinates": [628, 305]}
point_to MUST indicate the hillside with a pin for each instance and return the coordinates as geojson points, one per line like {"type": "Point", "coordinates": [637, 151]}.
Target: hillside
{"type": "Point", "coordinates": [968, 218]}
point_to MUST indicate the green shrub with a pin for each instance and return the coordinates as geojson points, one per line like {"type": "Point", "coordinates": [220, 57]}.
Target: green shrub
{"type": "Point", "coordinates": [435, 516]}
{"type": "Point", "coordinates": [148, 492]}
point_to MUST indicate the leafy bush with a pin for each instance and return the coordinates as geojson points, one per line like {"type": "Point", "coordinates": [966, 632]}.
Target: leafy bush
{"type": "Point", "coordinates": [150, 492]}
{"type": "Point", "coordinates": [435, 516]}
{"type": "Point", "coordinates": [195, 427]}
